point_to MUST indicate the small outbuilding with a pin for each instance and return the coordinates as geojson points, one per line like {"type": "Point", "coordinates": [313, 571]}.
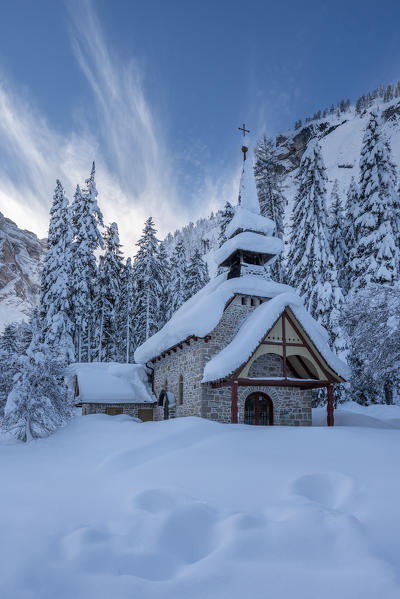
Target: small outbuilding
{"type": "Point", "coordinates": [112, 388]}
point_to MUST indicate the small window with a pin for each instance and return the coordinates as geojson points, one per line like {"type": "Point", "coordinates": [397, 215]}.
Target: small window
{"type": "Point", "coordinates": [180, 391]}
{"type": "Point", "coordinates": [252, 302]}
{"type": "Point", "coordinates": [243, 301]}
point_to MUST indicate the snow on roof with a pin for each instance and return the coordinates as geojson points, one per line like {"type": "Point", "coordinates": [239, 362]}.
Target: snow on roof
{"type": "Point", "coordinates": [247, 190]}
{"type": "Point", "coordinates": [202, 312]}
{"type": "Point", "coordinates": [254, 329]}
{"type": "Point", "coordinates": [248, 242]}
{"type": "Point", "coordinates": [110, 382]}
{"type": "Point", "coordinates": [249, 221]}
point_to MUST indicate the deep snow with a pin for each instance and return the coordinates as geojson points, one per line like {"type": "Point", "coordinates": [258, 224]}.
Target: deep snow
{"type": "Point", "coordinates": [188, 508]}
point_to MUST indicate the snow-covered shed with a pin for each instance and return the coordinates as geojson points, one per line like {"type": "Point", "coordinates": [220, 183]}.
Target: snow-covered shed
{"type": "Point", "coordinates": [112, 388]}
{"type": "Point", "coordinates": [244, 348]}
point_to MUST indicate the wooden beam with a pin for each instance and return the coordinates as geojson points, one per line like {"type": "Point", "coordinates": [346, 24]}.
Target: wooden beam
{"type": "Point", "coordinates": [330, 420]}
{"type": "Point", "coordinates": [280, 383]}
{"type": "Point", "coordinates": [280, 343]}
{"type": "Point", "coordinates": [327, 374]}
{"type": "Point", "coordinates": [284, 346]}
{"type": "Point", "coordinates": [234, 403]}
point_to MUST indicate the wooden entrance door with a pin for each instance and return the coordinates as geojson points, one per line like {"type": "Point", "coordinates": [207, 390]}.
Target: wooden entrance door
{"type": "Point", "coordinates": [258, 410]}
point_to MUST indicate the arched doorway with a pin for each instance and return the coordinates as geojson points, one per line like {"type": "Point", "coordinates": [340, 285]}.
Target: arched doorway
{"type": "Point", "coordinates": [258, 409]}
{"type": "Point", "coordinates": [164, 403]}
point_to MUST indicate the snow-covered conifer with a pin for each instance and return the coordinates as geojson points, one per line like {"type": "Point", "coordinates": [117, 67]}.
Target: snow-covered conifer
{"type": "Point", "coordinates": [196, 275]}
{"type": "Point", "coordinates": [87, 218]}
{"type": "Point", "coordinates": [272, 202]}
{"type": "Point", "coordinates": [55, 301]}
{"type": "Point", "coordinates": [178, 275]}
{"type": "Point", "coordinates": [311, 266]}
{"type": "Point", "coordinates": [225, 218]}
{"type": "Point", "coordinates": [126, 309]}
{"type": "Point", "coordinates": [164, 295]}
{"type": "Point", "coordinates": [108, 294]}
{"type": "Point", "coordinates": [147, 275]}
{"type": "Point", "coordinates": [38, 403]}
{"type": "Point", "coordinates": [337, 236]}
{"type": "Point", "coordinates": [374, 257]}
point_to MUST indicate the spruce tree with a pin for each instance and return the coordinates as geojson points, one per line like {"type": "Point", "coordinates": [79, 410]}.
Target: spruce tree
{"type": "Point", "coordinates": [311, 265]}
{"type": "Point", "coordinates": [38, 403]}
{"type": "Point", "coordinates": [196, 275]}
{"type": "Point", "coordinates": [108, 296]}
{"type": "Point", "coordinates": [164, 296]}
{"type": "Point", "coordinates": [87, 218]}
{"type": "Point", "coordinates": [226, 217]}
{"type": "Point", "coordinates": [55, 302]}
{"type": "Point", "coordinates": [374, 257]}
{"type": "Point", "coordinates": [147, 275]}
{"type": "Point", "coordinates": [126, 309]}
{"type": "Point", "coordinates": [272, 202]}
{"type": "Point", "coordinates": [337, 236]}
{"type": "Point", "coordinates": [178, 274]}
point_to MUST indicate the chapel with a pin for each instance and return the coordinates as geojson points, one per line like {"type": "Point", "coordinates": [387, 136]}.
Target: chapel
{"type": "Point", "coordinates": [243, 349]}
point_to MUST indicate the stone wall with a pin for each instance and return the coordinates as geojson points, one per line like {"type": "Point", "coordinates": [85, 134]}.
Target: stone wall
{"type": "Point", "coordinates": [131, 409]}
{"type": "Point", "coordinates": [292, 405]}
{"type": "Point", "coordinates": [269, 365]}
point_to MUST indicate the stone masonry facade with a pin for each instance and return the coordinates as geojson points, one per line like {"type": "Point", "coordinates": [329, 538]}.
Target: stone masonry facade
{"type": "Point", "coordinates": [131, 409]}
{"type": "Point", "coordinates": [292, 405]}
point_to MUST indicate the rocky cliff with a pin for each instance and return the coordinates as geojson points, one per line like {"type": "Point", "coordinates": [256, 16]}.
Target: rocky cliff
{"type": "Point", "coordinates": [21, 253]}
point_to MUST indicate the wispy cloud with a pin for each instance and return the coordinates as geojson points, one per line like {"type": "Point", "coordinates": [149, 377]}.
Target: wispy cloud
{"type": "Point", "coordinates": [135, 170]}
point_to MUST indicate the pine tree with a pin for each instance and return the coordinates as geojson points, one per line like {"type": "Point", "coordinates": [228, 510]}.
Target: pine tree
{"type": "Point", "coordinates": [108, 296]}
{"type": "Point", "coordinates": [272, 202]}
{"type": "Point", "coordinates": [147, 276]}
{"type": "Point", "coordinates": [311, 266]}
{"type": "Point", "coordinates": [178, 274]}
{"type": "Point", "coordinates": [9, 339]}
{"type": "Point", "coordinates": [126, 310]}
{"type": "Point", "coordinates": [87, 218]}
{"type": "Point", "coordinates": [164, 296]}
{"type": "Point", "coordinates": [196, 276]}
{"type": "Point", "coordinates": [337, 236]}
{"type": "Point", "coordinates": [226, 217]}
{"type": "Point", "coordinates": [55, 301]}
{"type": "Point", "coordinates": [370, 262]}
{"type": "Point", "coordinates": [38, 403]}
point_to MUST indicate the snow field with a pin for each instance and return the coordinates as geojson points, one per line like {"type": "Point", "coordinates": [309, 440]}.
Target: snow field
{"type": "Point", "coordinates": [110, 508]}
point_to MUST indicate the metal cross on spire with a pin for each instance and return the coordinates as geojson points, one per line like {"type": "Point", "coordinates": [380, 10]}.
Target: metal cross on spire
{"type": "Point", "coordinates": [244, 130]}
{"type": "Point", "coordinates": [244, 146]}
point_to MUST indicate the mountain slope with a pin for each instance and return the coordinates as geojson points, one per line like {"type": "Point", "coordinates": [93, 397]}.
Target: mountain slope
{"type": "Point", "coordinates": [21, 253]}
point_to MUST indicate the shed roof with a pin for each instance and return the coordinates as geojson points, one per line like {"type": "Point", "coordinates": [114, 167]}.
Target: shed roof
{"type": "Point", "coordinates": [111, 382]}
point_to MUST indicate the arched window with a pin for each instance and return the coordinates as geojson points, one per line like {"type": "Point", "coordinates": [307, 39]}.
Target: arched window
{"type": "Point", "coordinates": [180, 391]}
{"type": "Point", "coordinates": [161, 398]}
{"type": "Point", "coordinates": [258, 410]}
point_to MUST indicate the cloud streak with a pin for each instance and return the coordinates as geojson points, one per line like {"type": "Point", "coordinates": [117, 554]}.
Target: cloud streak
{"type": "Point", "coordinates": [135, 171]}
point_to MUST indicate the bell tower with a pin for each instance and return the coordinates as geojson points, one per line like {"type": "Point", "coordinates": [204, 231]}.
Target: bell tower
{"type": "Point", "coordinates": [250, 244]}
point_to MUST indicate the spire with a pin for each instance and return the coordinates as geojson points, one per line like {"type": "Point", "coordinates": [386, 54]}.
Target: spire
{"type": "Point", "coordinates": [248, 197]}
{"type": "Point", "coordinates": [250, 244]}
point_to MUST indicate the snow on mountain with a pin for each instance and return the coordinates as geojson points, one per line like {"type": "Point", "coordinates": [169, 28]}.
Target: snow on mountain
{"type": "Point", "coordinates": [21, 253]}
{"type": "Point", "coordinates": [340, 137]}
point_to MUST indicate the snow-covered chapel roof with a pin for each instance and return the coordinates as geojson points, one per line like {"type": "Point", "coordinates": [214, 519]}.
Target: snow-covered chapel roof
{"type": "Point", "coordinates": [257, 325]}
{"type": "Point", "coordinates": [202, 312]}
{"type": "Point", "coordinates": [245, 220]}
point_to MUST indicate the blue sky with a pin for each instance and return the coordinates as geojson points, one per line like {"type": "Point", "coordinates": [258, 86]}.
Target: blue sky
{"type": "Point", "coordinates": [155, 91]}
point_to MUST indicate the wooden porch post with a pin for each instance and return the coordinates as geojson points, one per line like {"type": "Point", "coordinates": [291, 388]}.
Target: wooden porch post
{"type": "Point", "coordinates": [234, 403]}
{"type": "Point", "coordinates": [329, 408]}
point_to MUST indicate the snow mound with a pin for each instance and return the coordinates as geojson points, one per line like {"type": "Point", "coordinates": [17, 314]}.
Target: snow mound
{"type": "Point", "coordinates": [254, 329]}
{"type": "Point", "coordinates": [353, 414]}
{"type": "Point", "coordinates": [110, 382]}
{"type": "Point", "coordinates": [202, 312]}
{"type": "Point", "coordinates": [204, 511]}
